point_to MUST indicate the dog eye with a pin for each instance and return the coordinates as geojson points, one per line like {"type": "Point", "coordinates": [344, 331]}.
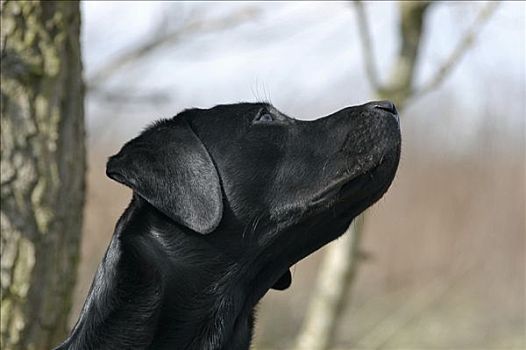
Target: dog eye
{"type": "Point", "coordinates": [264, 117]}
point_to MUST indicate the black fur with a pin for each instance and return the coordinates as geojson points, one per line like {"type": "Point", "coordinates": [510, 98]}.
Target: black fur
{"type": "Point", "coordinates": [225, 200]}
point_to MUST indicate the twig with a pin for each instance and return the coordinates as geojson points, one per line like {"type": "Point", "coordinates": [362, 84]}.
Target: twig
{"type": "Point", "coordinates": [462, 47]}
{"type": "Point", "coordinates": [367, 49]}
{"type": "Point", "coordinates": [162, 38]}
{"type": "Point", "coordinates": [153, 98]}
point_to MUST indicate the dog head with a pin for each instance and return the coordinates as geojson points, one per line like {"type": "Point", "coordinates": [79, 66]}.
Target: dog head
{"type": "Point", "coordinates": [265, 188]}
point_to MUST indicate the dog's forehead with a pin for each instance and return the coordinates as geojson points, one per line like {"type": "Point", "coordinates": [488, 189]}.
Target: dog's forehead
{"type": "Point", "coordinates": [240, 109]}
{"type": "Point", "coordinates": [218, 114]}
{"type": "Point", "coordinates": [231, 110]}
{"type": "Point", "coordinates": [238, 114]}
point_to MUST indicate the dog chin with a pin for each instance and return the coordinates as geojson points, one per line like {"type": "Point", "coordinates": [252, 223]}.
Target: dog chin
{"type": "Point", "coordinates": [359, 194]}
{"type": "Point", "coordinates": [357, 189]}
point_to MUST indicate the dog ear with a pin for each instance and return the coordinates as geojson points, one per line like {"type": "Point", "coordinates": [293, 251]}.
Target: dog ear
{"type": "Point", "coordinates": [283, 282]}
{"type": "Point", "coordinates": [169, 167]}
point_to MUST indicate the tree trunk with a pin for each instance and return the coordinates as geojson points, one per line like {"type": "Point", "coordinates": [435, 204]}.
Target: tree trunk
{"type": "Point", "coordinates": [341, 261]}
{"type": "Point", "coordinates": [326, 305]}
{"type": "Point", "coordinates": [400, 85]}
{"type": "Point", "coordinates": [42, 169]}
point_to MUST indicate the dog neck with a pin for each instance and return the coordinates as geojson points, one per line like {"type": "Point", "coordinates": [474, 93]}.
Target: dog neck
{"type": "Point", "coordinates": [146, 294]}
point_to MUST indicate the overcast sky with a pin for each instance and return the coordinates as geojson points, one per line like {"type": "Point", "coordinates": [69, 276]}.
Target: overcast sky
{"type": "Point", "coordinates": [304, 56]}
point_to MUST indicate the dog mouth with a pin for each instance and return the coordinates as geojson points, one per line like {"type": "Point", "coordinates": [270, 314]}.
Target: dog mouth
{"type": "Point", "coordinates": [342, 200]}
{"type": "Point", "coordinates": [345, 198]}
{"type": "Point", "coordinates": [361, 185]}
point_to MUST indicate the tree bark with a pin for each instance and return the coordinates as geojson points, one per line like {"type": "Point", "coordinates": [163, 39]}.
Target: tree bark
{"type": "Point", "coordinates": [42, 169]}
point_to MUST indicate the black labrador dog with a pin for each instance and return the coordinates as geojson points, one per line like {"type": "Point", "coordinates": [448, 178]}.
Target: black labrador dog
{"type": "Point", "coordinates": [225, 201]}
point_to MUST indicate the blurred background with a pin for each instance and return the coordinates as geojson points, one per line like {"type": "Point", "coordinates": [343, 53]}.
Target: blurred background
{"type": "Point", "coordinates": [442, 255]}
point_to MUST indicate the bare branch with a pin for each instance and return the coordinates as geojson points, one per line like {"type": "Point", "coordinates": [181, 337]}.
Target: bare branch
{"type": "Point", "coordinates": [164, 38]}
{"type": "Point", "coordinates": [128, 97]}
{"type": "Point", "coordinates": [462, 47]}
{"type": "Point", "coordinates": [367, 49]}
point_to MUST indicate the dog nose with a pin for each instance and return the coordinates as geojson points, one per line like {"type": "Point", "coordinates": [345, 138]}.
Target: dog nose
{"type": "Point", "coordinates": [387, 106]}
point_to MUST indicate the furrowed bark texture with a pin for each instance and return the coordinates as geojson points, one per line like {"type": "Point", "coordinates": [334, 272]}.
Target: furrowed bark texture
{"type": "Point", "coordinates": [42, 169]}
